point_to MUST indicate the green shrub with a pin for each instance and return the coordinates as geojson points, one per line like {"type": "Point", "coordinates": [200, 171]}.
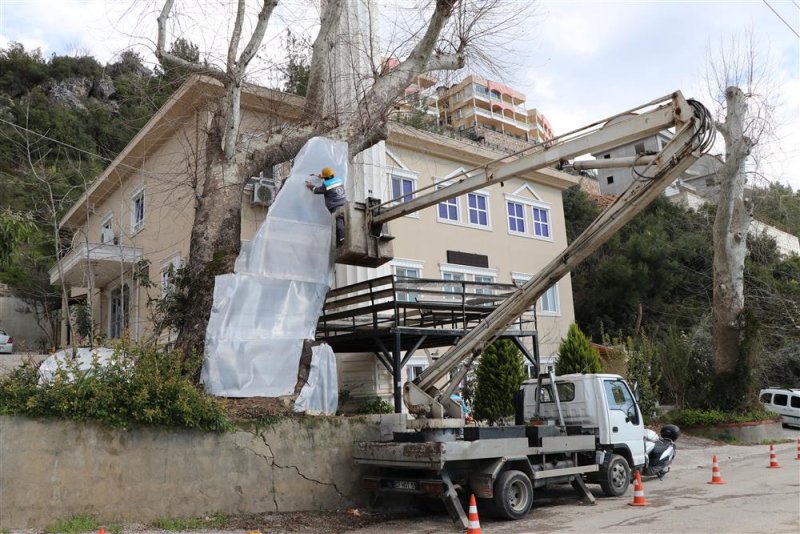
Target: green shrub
{"type": "Point", "coordinates": [694, 417]}
{"type": "Point", "coordinates": [138, 386]}
{"type": "Point", "coordinates": [576, 355]}
{"type": "Point", "coordinates": [374, 405]}
{"type": "Point", "coordinates": [499, 376]}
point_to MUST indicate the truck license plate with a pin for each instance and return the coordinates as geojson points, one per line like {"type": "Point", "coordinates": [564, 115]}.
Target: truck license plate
{"type": "Point", "coordinates": [404, 484]}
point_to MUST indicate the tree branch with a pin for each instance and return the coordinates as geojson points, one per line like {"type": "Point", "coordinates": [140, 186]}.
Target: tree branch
{"type": "Point", "coordinates": [258, 33]}
{"type": "Point", "coordinates": [167, 59]}
{"type": "Point", "coordinates": [233, 44]}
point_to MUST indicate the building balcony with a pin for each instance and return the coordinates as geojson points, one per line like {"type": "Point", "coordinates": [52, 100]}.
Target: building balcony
{"type": "Point", "coordinates": [103, 262]}
{"type": "Point", "coordinates": [498, 117]}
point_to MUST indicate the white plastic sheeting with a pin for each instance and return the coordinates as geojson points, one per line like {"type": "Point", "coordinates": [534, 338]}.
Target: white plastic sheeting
{"type": "Point", "coordinates": [271, 303]}
{"type": "Point", "coordinates": [84, 361]}
{"type": "Point", "coordinates": [320, 394]}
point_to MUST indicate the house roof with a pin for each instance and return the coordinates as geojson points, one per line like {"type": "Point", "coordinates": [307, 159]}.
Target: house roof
{"type": "Point", "coordinates": [197, 91]}
{"type": "Point", "coordinates": [181, 106]}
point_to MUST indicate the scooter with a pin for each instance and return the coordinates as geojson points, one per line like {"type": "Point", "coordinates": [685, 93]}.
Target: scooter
{"type": "Point", "coordinates": [660, 450]}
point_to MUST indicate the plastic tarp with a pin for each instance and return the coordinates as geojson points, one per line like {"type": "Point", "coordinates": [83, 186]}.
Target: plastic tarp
{"type": "Point", "coordinates": [84, 360]}
{"type": "Point", "coordinates": [272, 301]}
{"type": "Point", "coordinates": [320, 394]}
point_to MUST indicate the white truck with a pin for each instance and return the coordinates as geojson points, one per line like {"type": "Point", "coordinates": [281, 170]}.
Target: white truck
{"type": "Point", "coordinates": [601, 436]}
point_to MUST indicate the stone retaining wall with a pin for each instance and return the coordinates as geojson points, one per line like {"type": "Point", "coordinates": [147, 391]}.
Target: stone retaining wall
{"type": "Point", "coordinates": [746, 433]}
{"type": "Point", "coordinates": [50, 470]}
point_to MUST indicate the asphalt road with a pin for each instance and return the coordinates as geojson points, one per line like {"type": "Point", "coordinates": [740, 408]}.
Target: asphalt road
{"type": "Point", "coordinates": [754, 499]}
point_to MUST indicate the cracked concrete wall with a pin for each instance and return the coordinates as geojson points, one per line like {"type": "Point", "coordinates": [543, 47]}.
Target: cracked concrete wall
{"type": "Point", "coordinates": [50, 470]}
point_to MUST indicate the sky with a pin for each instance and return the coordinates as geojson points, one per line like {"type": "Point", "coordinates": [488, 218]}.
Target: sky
{"type": "Point", "coordinates": [576, 61]}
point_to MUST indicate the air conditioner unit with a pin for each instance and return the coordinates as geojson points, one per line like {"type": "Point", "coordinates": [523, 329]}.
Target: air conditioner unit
{"type": "Point", "coordinates": [264, 191]}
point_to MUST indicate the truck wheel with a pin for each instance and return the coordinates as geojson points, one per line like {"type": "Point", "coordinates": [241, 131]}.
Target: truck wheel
{"type": "Point", "coordinates": [616, 478]}
{"type": "Point", "coordinates": [513, 495]}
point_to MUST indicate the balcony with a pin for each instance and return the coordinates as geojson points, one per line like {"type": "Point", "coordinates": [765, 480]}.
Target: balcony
{"type": "Point", "coordinates": [105, 262]}
{"type": "Point", "coordinates": [497, 116]}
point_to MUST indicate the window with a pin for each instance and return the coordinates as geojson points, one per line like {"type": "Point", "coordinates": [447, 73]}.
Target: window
{"type": "Point", "coordinates": [402, 188]}
{"type": "Point", "coordinates": [795, 403]}
{"type": "Point", "coordinates": [484, 279]}
{"type": "Point", "coordinates": [403, 274]}
{"type": "Point", "coordinates": [530, 370]}
{"type": "Point", "coordinates": [107, 231]}
{"type": "Point", "coordinates": [610, 180]}
{"type": "Point", "coordinates": [120, 306]}
{"type": "Point", "coordinates": [448, 210]}
{"type": "Point", "coordinates": [638, 148]}
{"type": "Point", "coordinates": [766, 398]}
{"type": "Point", "coordinates": [137, 212]}
{"type": "Point", "coordinates": [169, 270]}
{"type": "Point", "coordinates": [548, 303]}
{"type": "Point", "coordinates": [780, 399]}
{"type": "Point", "coordinates": [607, 156]}
{"type": "Point", "coordinates": [413, 371]}
{"type": "Point", "coordinates": [516, 217]}
{"type": "Point", "coordinates": [541, 222]}
{"type": "Point", "coordinates": [619, 398]}
{"type": "Point", "coordinates": [478, 209]}
{"type": "Point", "coordinates": [455, 277]}
{"type": "Point", "coordinates": [566, 392]}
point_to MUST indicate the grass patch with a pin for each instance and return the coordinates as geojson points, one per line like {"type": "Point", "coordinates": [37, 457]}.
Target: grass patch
{"type": "Point", "coordinates": [177, 524]}
{"type": "Point", "coordinates": [776, 441]}
{"type": "Point", "coordinates": [75, 525]}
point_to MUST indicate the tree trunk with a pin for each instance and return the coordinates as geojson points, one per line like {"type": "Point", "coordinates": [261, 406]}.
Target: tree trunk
{"type": "Point", "coordinates": [215, 244]}
{"type": "Point", "coordinates": [730, 235]}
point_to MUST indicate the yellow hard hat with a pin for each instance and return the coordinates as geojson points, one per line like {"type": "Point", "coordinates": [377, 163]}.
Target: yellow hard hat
{"type": "Point", "coordinates": [327, 172]}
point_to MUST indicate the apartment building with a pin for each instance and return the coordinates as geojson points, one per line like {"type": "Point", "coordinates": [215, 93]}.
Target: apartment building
{"type": "Point", "coordinates": [142, 206]}
{"type": "Point", "coordinates": [492, 113]}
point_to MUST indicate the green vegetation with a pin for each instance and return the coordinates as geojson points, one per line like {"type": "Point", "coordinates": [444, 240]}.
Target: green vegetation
{"type": "Point", "coordinates": [576, 355]}
{"type": "Point", "coordinates": [693, 417]}
{"type": "Point", "coordinates": [75, 525]}
{"type": "Point", "coordinates": [374, 405]}
{"type": "Point", "coordinates": [137, 387]}
{"type": "Point", "coordinates": [655, 274]}
{"type": "Point", "coordinates": [499, 376]}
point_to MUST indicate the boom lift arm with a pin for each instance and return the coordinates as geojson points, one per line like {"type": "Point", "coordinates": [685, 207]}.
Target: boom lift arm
{"type": "Point", "coordinates": [694, 135]}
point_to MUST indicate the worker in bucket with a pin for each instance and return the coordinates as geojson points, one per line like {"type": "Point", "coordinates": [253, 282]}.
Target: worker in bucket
{"type": "Point", "coordinates": [333, 189]}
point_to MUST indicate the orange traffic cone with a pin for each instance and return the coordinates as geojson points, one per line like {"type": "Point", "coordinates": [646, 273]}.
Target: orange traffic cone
{"type": "Point", "coordinates": [638, 492]}
{"type": "Point", "coordinates": [798, 450]}
{"type": "Point", "coordinates": [716, 477]}
{"type": "Point", "coordinates": [474, 526]}
{"type": "Point", "coordinates": [773, 460]}
{"type": "Point", "coordinates": [101, 531]}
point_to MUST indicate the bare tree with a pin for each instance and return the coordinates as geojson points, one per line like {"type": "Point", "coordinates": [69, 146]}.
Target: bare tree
{"type": "Point", "coordinates": [738, 80]}
{"type": "Point", "coordinates": [442, 44]}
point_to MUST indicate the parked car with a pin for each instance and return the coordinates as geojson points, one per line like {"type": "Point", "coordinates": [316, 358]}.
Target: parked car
{"type": "Point", "coordinates": [785, 402]}
{"type": "Point", "coordinates": [6, 343]}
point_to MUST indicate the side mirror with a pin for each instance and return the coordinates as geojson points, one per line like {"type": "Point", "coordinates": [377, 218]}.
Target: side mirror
{"type": "Point", "coordinates": [636, 393]}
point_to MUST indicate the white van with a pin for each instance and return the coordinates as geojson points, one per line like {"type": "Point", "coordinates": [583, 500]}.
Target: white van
{"type": "Point", "coordinates": [785, 402]}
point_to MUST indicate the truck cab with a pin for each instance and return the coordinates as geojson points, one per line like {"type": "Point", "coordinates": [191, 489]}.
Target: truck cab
{"type": "Point", "coordinates": [603, 402]}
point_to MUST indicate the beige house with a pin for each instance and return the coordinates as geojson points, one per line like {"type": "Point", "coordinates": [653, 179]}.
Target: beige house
{"type": "Point", "coordinates": [141, 208]}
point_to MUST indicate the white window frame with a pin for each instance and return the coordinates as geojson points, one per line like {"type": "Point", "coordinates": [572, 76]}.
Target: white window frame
{"type": "Point", "coordinates": [466, 271]}
{"type": "Point", "coordinates": [406, 264]}
{"type": "Point", "coordinates": [107, 222]}
{"type": "Point", "coordinates": [524, 219]}
{"type": "Point", "coordinates": [550, 294]}
{"type": "Point", "coordinates": [175, 262]}
{"type": "Point", "coordinates": [529, 204]}
{"type": "Point", "coordinates": [136, 226]}
{"type": "Point", "coordinates": [480, 193]}
{"type": "Point", "coordinates": [403, 174]}
{"type": "Point", "coordinates": [457, 201]}
{"type": "Point", "coordinates": [549, 223]}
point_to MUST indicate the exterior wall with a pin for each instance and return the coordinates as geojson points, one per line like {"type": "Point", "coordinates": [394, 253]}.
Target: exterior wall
{"type": "Point", "coordinates": [51, 470]}
{"type": "Point", "coordinates": [508, 253]}
{"type": "Point", "coordinates": [17, 320]}
{"type": "Point", "coordinates": [787, 244]}
{"type": "Point", "coordinates": [616, 181]}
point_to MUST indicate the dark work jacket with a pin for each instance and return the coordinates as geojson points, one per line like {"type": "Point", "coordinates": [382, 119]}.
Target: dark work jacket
{"type": "Point", "coordinates": [333, 189]}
